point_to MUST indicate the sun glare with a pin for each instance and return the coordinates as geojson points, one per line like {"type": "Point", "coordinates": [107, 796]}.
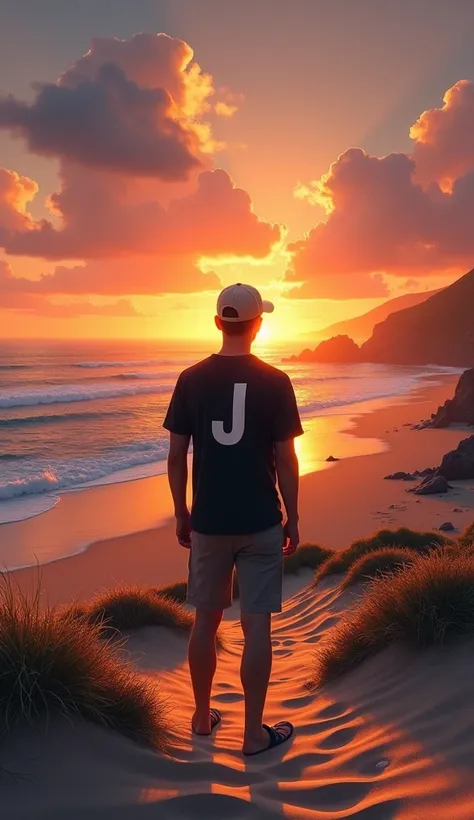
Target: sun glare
{"type": "Point", "coordinates": [264, 333]}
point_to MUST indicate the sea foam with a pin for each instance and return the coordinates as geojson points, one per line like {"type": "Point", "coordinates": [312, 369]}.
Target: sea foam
{"type": "Point", "coordinates": [65, 393]}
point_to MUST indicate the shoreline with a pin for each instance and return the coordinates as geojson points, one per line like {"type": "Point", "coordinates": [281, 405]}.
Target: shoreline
{"type": "Point", "coordinates": [143, 502]}
{"type": "Point", "coordinates": [336, 507]}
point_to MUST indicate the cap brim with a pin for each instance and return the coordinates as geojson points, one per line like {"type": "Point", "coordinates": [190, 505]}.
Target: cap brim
{"type": "Point", "coordinates": [268, 307]}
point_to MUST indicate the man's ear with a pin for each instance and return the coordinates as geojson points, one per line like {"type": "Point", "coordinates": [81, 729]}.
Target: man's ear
{"type": "Point", "coordinates": [258, 325]}
{"type": "Point", "coordinates": [218, 322]}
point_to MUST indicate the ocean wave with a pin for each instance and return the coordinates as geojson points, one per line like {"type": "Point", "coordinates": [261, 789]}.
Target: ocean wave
{"type": "Point", "coordinates": [20, 509]}
{"type": "Point", "coordinates": [53, 418]}
{"type": "Point", "coordinates": [143, 363]}
{"type": "Point", "coordinates": [66, 393]}
{"type": "Point", "coordinates": [147, 376]}
{"type": "Point", "coordinates": [317, 407]}
{"type": "Point", "coordinates": [66, 475]}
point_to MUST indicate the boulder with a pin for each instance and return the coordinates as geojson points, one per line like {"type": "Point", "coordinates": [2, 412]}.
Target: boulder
{"type": "Point", "coordinates": [448, 526]}
{"type": "Point", "coordinates": [460, 409]}
{"type": "Point", "coordinates": [332, 458]}
{"type": "Point", "coordinates": [458, 464]}
{"type": "Point", "coordinates": [427, 471]}
{"type": "Point", "coordinates": [431, 486]}
{"type": "Point", "coordinates": [400, 476]}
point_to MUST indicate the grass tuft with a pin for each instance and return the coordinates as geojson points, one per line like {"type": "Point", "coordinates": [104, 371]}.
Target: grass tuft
{"type": "Point", "coordinates": [53, 661]}
{"type": "Point", "coordinates": [133, 607]}
{"type": "Point", "coordinates": [176, 592]}
{"type": "Point", "coordinates": [430, 603]}
{"type": "Point", "coordinates": [467, 538]}
{"type": "Point", "coordinates": [418, 542]}
{"type": "Point", "coordinates": [307, 556]}
{"type": "Point", "coordinates": [378, 563]}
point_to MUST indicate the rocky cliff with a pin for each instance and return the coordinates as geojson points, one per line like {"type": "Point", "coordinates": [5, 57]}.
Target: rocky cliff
{"type": "Point", "coordinates": [438, 331]}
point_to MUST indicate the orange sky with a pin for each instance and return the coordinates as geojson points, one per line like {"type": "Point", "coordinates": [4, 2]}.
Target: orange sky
{"type": "Point", "coordinates": [151, 170]}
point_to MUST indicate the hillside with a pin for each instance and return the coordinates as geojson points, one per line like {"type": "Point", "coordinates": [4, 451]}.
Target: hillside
{"type": "Point", "coordinates": [361, 327]}
{"type": "Point", "coordinates": [440, 330]}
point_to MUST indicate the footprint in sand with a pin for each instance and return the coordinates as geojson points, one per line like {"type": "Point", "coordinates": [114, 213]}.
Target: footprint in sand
{"type": "Point", "coordinates": [338, 739]}
{"type": "Point", "coordinates": [282, 653]}
{"type": "Point", "coordinates": [294, 767]}
{"type": "Point", "coordinates": [289, 642]}
{"type": "Point", "coordinates": [229, 697]}
{"type": "Point", "coordinates": [297, 702]}
{"type": "Point", "coordinates": [344, 795]}
{"type": "Point", "coordinates": [334, 711]}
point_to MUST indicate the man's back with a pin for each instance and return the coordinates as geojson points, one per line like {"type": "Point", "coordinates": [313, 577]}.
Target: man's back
{"type": "Point", "coordinates": [235, 408]}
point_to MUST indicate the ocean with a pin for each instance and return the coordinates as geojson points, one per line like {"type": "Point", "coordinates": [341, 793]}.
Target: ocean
{"type": "Point", "coordinates": [78, 414]}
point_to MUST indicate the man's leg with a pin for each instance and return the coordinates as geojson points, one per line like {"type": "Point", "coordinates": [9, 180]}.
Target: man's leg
{"type": "Point", "coordinates": [255, 675]}
{"type": "Point", "coordinates": [211, 565]}
{"type": "Point", "coordinates": [202, 664]}
{"type": "Point", "coordinates": [259, 561]}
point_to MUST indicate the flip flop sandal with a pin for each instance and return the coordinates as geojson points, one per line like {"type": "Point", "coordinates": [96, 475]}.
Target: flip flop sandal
{"type": "Point", "coordinates": [216, 718]}
{"type": "Point", "coordinates": [279, 733]}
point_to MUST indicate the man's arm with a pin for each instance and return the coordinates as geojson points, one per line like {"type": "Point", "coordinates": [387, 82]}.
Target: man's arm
{"type": "Point", "coordinates": [178, 480]}
{"type": "Point", "coordinates": [286, 462]}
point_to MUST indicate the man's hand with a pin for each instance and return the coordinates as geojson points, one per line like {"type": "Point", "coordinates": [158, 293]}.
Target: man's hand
{"type": "Point", "coordinates": [292, 538]}
{"type": "Point", "coordinates": [183, 529]}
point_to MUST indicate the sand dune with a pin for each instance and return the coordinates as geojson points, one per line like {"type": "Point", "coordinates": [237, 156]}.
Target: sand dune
{"type": "Point", "coordinates": [394, 739]}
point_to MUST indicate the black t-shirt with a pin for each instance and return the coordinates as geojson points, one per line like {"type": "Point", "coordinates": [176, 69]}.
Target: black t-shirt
{"type": "Point", "coordinates": [235, 408]}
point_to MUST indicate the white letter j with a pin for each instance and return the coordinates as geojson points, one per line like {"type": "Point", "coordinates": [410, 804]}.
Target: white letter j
{"type": "Point", "coordinates": [238, 419]}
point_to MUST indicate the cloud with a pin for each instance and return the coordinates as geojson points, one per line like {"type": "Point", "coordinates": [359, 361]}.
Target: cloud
{"type": "Point", "coordinates": [402, 214]}
{"type": "Point", "coordinates": [105, 216]}
{"type": "Point", "coordinates": [444, 144]}
{"type": "Point", "coordinates": [224, 109]}
{"type": "Point", "coordinates": [41, 306]}
{"type": "Point", "coordinates": [229, 105]}
{"type": "Point", "coordinates": [16, 192]}
{"type": "Point", "coordinates": [117, 277]}
{"type": "Point", "coordinates": [151, 61]}
{"type": "Point", "coordinates": [109, 122]}
{"type": "Point", "coordinates": [136, 201]}
{"type": "Point", "coordinates": [135, 107]}
{"type": "Point", "coordinates": [18, 294]}
{"type": "Point", "coordinates": [381, 220]}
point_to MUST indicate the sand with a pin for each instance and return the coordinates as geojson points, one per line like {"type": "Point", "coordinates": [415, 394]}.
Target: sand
{"type": "Point", "coordinates": [393, 740]}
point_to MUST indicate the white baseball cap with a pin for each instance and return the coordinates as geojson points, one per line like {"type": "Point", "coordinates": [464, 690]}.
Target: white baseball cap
{"type": "Point", "coordinates": [243, 303]}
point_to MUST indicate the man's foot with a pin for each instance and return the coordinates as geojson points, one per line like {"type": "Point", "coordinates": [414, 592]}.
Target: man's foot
{"type": "Point", "coordinates": [205, 727]}
{"type": "Point", "coordinates": [270, 737]}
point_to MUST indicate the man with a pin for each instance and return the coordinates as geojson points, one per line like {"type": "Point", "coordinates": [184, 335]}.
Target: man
{"type": "Point", "coordinates": [242, 417]}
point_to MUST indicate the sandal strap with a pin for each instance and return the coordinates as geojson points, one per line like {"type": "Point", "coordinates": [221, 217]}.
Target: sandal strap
{"type": "Point", "coordinates": [277, 733]}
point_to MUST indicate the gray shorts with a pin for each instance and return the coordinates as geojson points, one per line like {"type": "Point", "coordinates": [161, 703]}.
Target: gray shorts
{"type": "Point", "coordinates": [258, 560]}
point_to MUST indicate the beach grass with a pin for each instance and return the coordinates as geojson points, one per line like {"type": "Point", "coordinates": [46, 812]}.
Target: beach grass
{"type": "Point", "coordinates": [430, 603]}
{"type": "Point", "coordinates": [127, 608]}
{"type": "Point", "coordinates": [419, 542]}
{"type": "Point", "coordinates": [467, 538]}
{"type": "Point", "coordinates": [176, 592]}
{"type": "Point", "coordinates": [52, 661]}
{"type": "Point", "coordinates": [378, 563]}
{"type": "Point", "coordinates": [307, 556]}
